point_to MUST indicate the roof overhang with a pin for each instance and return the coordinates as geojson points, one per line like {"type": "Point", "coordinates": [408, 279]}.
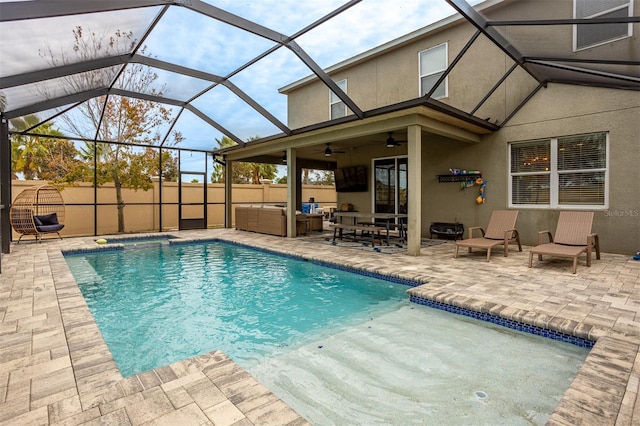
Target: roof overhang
{"type": "Point", "coordinates": [432, 116]}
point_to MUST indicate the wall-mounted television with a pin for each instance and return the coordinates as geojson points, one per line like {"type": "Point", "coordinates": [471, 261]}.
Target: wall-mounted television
{"type": "Point", "coordinates": [351, 179]}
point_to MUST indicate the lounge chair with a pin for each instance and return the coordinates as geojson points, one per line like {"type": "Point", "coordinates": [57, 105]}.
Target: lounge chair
{"type": "Point", "coordinates": [501, 230]}
{"type": "Point", "coordinates": [573, 237]}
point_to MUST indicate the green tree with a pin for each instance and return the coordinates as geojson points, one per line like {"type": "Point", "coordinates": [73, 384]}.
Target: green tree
{"type": "Point", "coordinates": [169, 165]}
{"type": "Point", "coordinates": [127, 120]}
{"type": "Point", "coordinates": [322, 177]}
{"type": "Point", "coordinates": [243, 172]}
{"type": "Point", "coordinates": [136, 168]}
{"type": "Point", "coordinates": [29, 153]}
{"type": "Point", "coordinates": [62, 163]}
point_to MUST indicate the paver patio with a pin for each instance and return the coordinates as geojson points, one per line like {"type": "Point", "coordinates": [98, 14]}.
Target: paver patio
{"type": "Point", "coordinates": [56, 369]}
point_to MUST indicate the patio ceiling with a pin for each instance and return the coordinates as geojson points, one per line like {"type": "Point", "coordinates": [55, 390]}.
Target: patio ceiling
{"type": "Point", "coordinates": [213, 87]}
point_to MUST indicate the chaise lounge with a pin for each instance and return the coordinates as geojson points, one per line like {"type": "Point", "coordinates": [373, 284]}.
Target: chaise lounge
{"type": "Point", "coordinates": [572, 238]}
{"type": "Point", "coordinates": [500, 232]}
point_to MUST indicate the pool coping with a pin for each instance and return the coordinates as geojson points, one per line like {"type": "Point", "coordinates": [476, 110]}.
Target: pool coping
{"type": "Point", "coordinates": [604, 391]}
{"type": "Point", "coordinates": [235, 394]}
{"type": "Point", "coordinates": [592, 389]}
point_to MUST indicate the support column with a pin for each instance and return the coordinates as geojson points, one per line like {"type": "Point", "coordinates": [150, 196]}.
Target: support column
{"type": "Point", "coordinates": [298, 186]}
{"type": "Point", "coordinates": [228, 199]}
{"type": "Point", "coordinates": [414, 185]}
{"type": "Point", "coordinates": [293, 188]}
{"type": "Point", "coordinates": [5, 183]}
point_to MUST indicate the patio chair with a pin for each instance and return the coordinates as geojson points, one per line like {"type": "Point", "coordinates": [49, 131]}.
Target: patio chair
{"type": "Point", "coordinates": [501, 230]}
{"type": "Point", "coordinates": [37, 211]}
{"type": "Point", "coordinates": [573, 237]}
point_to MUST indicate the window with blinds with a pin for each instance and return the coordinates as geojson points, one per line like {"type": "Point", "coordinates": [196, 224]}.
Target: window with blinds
{"type": "Point", "coordinates": [594, 34]}
{"type": "Point", "coordinates": [582, 162]}
{"type": "Point", "coordinates": [433, 63]}
{"type": "Point", "coordinates": [566, 171]}
{"type": "Point", "coordinates": [530, 172]}
{"type": "Point", "coordinates": [337, 108]}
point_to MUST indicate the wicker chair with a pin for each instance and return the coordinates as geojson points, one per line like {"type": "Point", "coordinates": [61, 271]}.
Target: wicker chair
{"type": "Point", "coordinates": [37, 211]}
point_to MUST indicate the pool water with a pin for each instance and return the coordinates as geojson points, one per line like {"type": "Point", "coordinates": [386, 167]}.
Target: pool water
{"type": "Point", "coordinates": [158, 305]}
{"type": "Point", "coordinates": [417, 366]}
{"type": "Point", "coordinates": [338, 347]}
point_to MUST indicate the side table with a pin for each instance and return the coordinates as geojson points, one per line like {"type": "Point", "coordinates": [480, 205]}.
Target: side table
{"type": "Point", "coordinates": [315, 222]}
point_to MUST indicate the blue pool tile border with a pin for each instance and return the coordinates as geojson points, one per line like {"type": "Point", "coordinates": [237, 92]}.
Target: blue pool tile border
{"type": "Point", "coordinates": [142, 238]}
{"type": "Point", "coordinates": [371, 274]}
{"type": "Point", "coordinates": [117, 244]}
{"type": "Point", "coordinates": [186, 241]}
{"type": "Point", "coordinates": [505, 322]}
{"type": "Point", "coordinates": [89, 250]}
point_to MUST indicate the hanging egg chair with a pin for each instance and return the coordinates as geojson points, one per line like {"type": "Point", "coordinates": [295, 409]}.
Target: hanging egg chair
{"type": "Point", "coordinates": [36, 211]}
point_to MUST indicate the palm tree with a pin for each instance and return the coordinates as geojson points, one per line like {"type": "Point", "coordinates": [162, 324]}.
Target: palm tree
{"type": "Point", "coordinates": [244, 172]}
{"type": "Point", "coordinates": [26, 149]}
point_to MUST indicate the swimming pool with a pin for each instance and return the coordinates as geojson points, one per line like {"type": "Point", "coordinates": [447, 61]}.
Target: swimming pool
{"type": "Point", "coordinates": [331, 344]}
{"type": "Point", "coordinates": [191, 299]}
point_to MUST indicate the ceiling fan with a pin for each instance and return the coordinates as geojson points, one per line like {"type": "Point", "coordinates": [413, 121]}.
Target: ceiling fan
{"type": "Point", "coordinates": [392, 142]}
{"type": "Point", "coordinates": [328, 151]}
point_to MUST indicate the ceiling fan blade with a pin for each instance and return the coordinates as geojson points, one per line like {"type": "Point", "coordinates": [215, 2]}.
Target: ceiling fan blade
{"type": "Point", "coordinates": [328, 151]}
{"type": "Point", "coordinates": [392, 142]}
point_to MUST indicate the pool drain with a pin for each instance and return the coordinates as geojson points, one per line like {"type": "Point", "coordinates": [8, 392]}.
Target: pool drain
{"type": "Point", "coordinates": [481, 394]}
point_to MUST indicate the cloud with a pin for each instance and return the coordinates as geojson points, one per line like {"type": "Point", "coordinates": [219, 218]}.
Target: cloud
{"type": "Point", "coordinates": [370, 24]}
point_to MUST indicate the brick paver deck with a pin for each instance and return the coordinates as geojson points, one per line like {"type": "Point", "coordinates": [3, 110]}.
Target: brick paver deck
{"type": "Point", "coordinates": [56, 369]}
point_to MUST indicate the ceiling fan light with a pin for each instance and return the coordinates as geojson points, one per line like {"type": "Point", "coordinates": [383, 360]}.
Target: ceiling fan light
{"type": "Point", "coordinates": [391, 142]}
{"type": "Point", "coordinates": [327, 152]}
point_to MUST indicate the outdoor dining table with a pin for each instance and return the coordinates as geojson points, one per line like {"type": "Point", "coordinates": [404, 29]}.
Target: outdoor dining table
{"type": "Point", "coordinates": [387, 218]}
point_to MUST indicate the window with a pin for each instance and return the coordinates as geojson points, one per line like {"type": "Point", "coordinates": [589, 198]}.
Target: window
{"type": "Point", "coordinates": [592, 35]}
{"type": "Point", "coordinates": [561, 172]}
{"type": "Point", "coordinates": [433, 63]}
{"type": "Point", "coordinates": [337, 107]}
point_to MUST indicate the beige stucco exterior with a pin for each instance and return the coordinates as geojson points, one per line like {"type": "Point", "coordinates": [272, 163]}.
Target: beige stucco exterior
{"type": "Point", "coordinates": [556, 111]}
{"type": "Point", "coordinates": [389, 75]}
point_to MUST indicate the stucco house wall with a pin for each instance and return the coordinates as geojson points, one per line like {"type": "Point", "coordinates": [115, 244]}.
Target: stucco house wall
{"type": "Point", "coordinates": [559, 110]}
{"type": "Point", "coordinates": [390, 75]}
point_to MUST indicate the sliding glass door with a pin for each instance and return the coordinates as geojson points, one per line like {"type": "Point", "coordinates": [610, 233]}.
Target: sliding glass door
{"type": "Point", "coordinates": [390, 195]}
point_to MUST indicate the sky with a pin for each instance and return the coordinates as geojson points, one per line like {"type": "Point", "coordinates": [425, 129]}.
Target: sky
{"type": "Point", "coordinates": [192, 40]}
{"type": "Point", "coordinates": [219, 48]}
